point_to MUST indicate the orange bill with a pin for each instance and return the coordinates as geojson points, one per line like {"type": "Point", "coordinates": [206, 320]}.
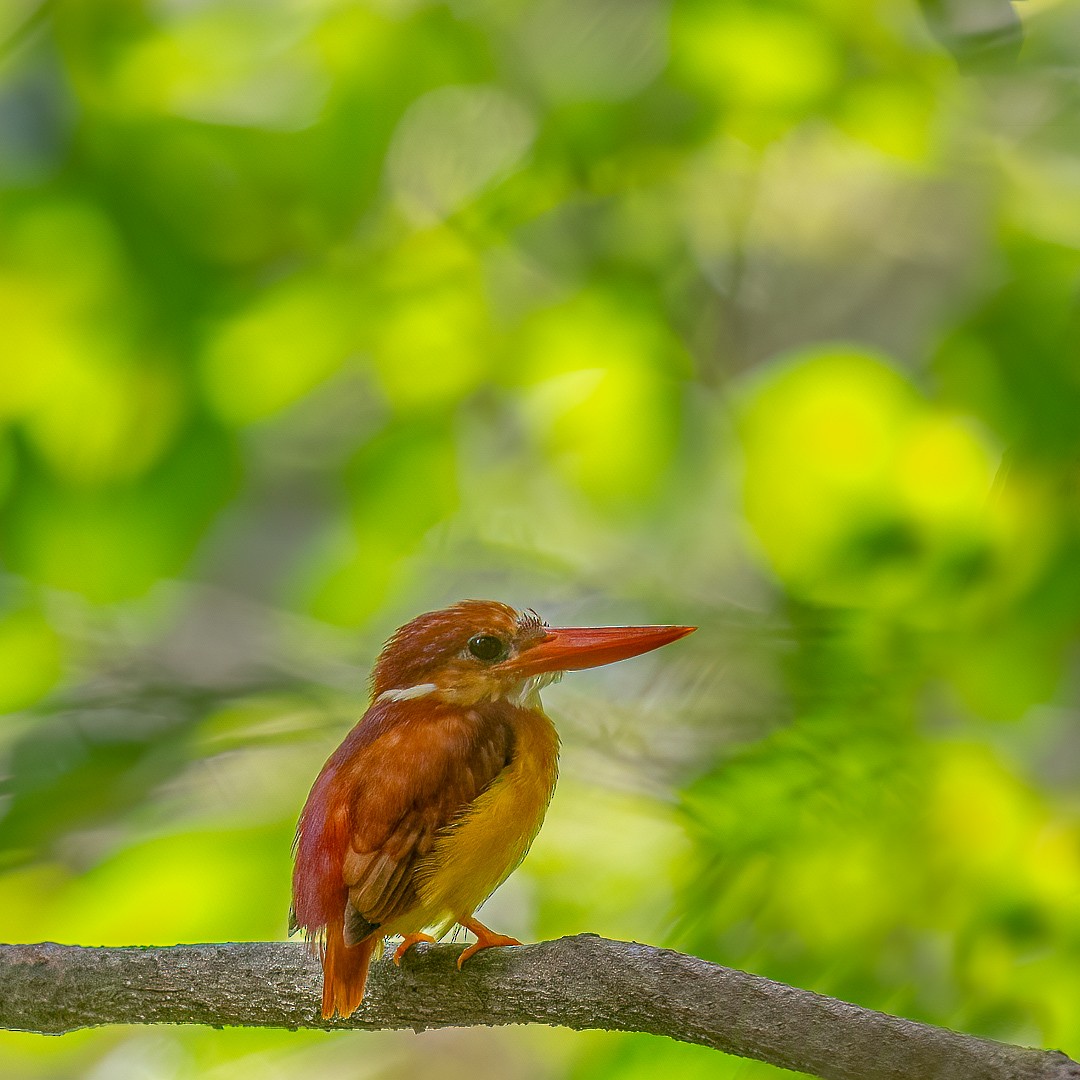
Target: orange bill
{"type": "Point", "coordinates": [576, 647]}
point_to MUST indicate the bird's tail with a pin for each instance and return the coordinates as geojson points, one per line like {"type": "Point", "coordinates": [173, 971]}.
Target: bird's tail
{"type": "Point", "coordinates": [345, 972]}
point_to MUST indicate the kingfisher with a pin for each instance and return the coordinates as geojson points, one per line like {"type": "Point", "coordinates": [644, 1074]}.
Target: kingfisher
{"type": "Point", "coordinates": [436, 795]}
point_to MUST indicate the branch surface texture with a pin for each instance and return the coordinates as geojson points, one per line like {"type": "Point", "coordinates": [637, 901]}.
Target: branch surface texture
{"type": "Point", "coordinates": [577, 982]}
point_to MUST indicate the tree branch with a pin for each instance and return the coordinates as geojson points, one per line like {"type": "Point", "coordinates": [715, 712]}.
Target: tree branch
{"type": "Point", "coordinates": [579, 982]}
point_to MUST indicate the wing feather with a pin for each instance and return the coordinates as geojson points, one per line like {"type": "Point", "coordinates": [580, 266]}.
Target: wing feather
{"type": "Point", "coordinates": [356, 927]}
{"type": "Point", "coordinates": [412, 781]}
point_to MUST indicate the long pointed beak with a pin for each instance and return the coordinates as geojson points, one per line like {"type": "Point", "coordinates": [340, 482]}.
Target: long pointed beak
{"type": "Point", "coordinates": [576, 647]}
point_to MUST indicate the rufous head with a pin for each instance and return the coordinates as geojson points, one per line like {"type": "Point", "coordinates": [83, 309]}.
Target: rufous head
{"type": "Point", "coordinates": [481, 649]}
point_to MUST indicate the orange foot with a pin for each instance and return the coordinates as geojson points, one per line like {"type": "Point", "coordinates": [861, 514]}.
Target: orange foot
{"type": "Point", "coordinates": [485, 939]}
{"type": "Point", "coordinates": [407, 944]}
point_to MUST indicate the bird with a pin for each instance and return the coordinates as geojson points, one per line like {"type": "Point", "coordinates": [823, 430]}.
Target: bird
{"type": "Point", "coordinates": [435, 796]}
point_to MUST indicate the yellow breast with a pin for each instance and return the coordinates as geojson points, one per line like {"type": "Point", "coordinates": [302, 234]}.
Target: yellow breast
{"type": "Point", "coordinates": [476, 854]}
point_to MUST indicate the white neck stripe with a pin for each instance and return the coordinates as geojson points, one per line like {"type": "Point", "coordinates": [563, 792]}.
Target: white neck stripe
{"type": "Point", "coordinates": [410, 692]}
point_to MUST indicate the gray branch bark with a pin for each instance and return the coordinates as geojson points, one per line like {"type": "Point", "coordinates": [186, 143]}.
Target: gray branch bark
{"type": "Point", "coordinates": [579, 982]}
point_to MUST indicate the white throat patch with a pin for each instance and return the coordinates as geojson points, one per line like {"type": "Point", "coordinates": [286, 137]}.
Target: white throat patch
{"type": "Point", "coordinates": [529, 693]}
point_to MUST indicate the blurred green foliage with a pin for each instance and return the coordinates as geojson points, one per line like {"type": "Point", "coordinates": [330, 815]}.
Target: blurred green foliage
{"type": "Point", "coordinates": [315, 314]}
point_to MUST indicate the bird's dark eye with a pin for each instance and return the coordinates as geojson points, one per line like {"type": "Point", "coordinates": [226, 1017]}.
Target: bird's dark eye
{"type": "Point", "coordinates": [486, 647]}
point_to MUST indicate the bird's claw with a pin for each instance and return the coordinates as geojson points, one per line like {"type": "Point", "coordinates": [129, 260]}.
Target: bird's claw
{"type": "Point", "coordinates": [407, 944]}
{"type": "Point", "coordinates": [488, 941]}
